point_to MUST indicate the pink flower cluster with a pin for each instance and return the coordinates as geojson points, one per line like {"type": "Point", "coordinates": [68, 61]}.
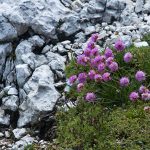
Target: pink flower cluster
{"type": "Point", "coordinates": [143, 93]}
{"type": "Point", "coordinates": [101, 68]}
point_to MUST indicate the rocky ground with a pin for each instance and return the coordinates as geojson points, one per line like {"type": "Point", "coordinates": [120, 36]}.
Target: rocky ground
{"type": "Point", "coordinates": [37, 38]}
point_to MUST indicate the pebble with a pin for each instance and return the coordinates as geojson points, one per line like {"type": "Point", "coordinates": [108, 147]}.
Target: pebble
{"type": "Point", "coordinates": [89, 30]}
{"type": "Point", "coordinates": [140, 44]}
{"type": "Point", "coordinates": [1, 134]}
{"type": "Point", "coordinates": [18, 133]}
{"type": "Point", "coordinates": [7, 134]}
{"type": "Point", "coordinates": [104, 24]}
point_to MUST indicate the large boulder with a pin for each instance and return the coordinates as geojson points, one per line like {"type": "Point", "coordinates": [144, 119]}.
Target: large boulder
{"type": "Point", "coordinates": [41, 96]}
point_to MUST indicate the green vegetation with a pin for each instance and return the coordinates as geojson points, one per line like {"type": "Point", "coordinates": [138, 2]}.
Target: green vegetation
{"type": "Point", "coordinates": [30, 147]}
{"type": "Point", "coordinates": [111, 92]}
{"type": "Point", "coordinates": [113, 123]}
{"type": "Point", "coordinates": [93, 127]}
{"type": "Point", "coordinates": [147, 38]}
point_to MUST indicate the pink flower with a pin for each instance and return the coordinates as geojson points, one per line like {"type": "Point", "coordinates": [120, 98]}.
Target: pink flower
{"type": "Point", "coordinates": [87, 52]}
{"type": "Point", "coordinates": [91, 74]}
{"type": "Point", "coordinates": [90, 97]}
{"type": "Point", "coordinates": [134, 96]}
{"type": "Point", "coordinates": [106, 76]}
{"type": "Point", "coordinates": [124, 81]}
{"type": "Point", "coordinates": [94, 37]}
{"type": "Point", "coordinates": [83, 60]}
{"type": "Point", "coordinates": [145, 96]}
{"type": "Point", "coordinates": [82, 77]}
{"type": "Point", "coordinates": [113, 66]}
{"type": "Point", "coordinates": [108, 53]}
{"type": "Point", "coordinates": [93, 63]}
{"type": "Point", "coordinates": [80, 86]}
{"type": "Point", "coordinates": [102, 58]}
{"type": "Point", "coordinates": [143, 89]}
{"type": "Point", "coordinates": [140, 76]}
{"type": "Point", "coordinates": [101, 67]}
{"type": "Point", "coordinates": [147, 108]}
{"type": "Point", "coordinates": [94, 51]}
{"type": "Point", "coordinates": [97, 60]}
{"type": "Point", "coordinates": [127, 57]}
{"type": "Point", "coordinates": [98, 78]}
{"type": "Point", "coordinates": [119, 45]}
{"type": "Point", "coordinates": [109, 61]}
{"type": "Point", "coordinates": [72, 79]}
{"type": "Point", "coordinates": [90, 45]}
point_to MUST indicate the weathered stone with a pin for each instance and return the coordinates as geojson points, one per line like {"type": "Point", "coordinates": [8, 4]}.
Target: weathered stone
{"type": "Point", "coordinates": [5, 50]}
{"type": "Point", "coordinates": [140, 44]}
{"type": "Point", "coordinates": [19, 145]}
{"type": "Point", "coordinates": [7, 30]}
{"type": "Point", "coordinates": [22, 72]}
{"type": "Point", "coordinates": [41, 96]}
{"type": "Point", "coordinates": [10, 103]}
{"type": "Point", "coordinates": [139, 6]}
{"type": "Point", "coordinates": [56, 61]}
{"type": "Point", "coordinates": [19, 132]}
{"type": "Point", "coordinates": [4, 119]}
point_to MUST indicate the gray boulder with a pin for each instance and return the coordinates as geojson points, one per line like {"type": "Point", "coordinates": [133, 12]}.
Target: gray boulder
{"type": "Point", "coordinates": [41, 96]}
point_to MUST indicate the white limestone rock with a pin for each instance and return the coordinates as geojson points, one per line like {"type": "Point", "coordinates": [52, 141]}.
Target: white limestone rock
{"type": "Point", "coordinates": [56, 62]}
{"type": "Point", "coordinates": [22, 72]}
{"type": "Point", "coordinates": [10, 103]}
{"type": "Point", "coordinates": [139, 6]}
{"type": "Point", "coordinates": [4, 118]}
{"type": "Point", "coordinates": [19, 132]}
{"type": "Point", "coordinates": [5, 50]}
{"type": "Point", "coordinates": [140, 44]}
{"type": "Point", "coordinates": [41, 96]}
{"type": "Point", "coordinates": [7, 30]}
{"type": "Point", "coordinates": [20, 145]}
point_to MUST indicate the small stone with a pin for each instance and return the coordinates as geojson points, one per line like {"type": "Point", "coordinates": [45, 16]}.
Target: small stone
{"type": "Point", "coordinates": [139, 6]}
{"type": "Point", "coordinates": [10, 103]}
{"type": "Point", "coordinates": [12, 91]}
{"type": "Point", "coordinates": [54, 49]}
{"type": "Point", "coordinates": [68, 47]}
{"type": "Point", "coordinates": [61, 49]}
{"type": "Point", "coordinates": [89, 30]}
{"type": "Point", "coordinates": [3, 148]}
{"type": "Point", "coordinates": [1, 134]}
{"type": "Point", "coordinates": [70, 56]}
{"type": "Point", "coordinates": [112, 28]}
{"type": "Point", "coordinates": [59, 84]}
{"type": "Point", "coordinates": [18, 133]}
{"type": "Point", "coordinates": [46, 49]}
{"type": "Point", "coordinates": [9, 145]}
{"type": "Point", "coordinates": [66, 42]}
{"type": "Point", "coordinates": [7, 134]}
{"type": "Point", "coordinates": [103, 34]}
{"type": "Point", "coordinates": [140, 44]}
{"type": "Point", "coordinates": [126, 40]}
{"type": "Point", "coordinates": [23, 72]}
{"type": "Point", "coordinates": [104, 24]}
{"type": "Point", "coordinates": [107, 28]}
{"type": "Point", "coordinates": [4, 119]}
